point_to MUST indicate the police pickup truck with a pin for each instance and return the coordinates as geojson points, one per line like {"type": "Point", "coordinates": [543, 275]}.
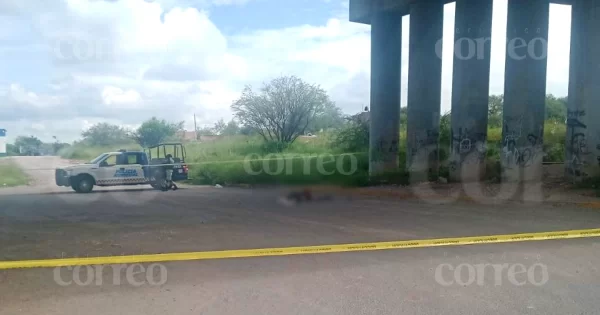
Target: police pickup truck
{"type": "Point", "coordinates": [125, 168]}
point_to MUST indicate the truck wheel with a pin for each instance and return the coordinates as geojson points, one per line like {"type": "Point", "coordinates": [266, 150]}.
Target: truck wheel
{"type": "Point", "coordinates": [84, 184]}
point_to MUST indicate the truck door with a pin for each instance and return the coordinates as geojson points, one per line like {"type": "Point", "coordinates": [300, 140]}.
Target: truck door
{"type": "Point", "coordinates": [117, 170]}
{"type": "Point", "coordinates": [131, 170]}
{"type": "Point", "coordinates": [108, 168]}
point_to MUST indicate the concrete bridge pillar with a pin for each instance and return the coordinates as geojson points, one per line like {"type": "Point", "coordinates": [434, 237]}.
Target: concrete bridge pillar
{"type": "Point", "coordinates": [470, 89]}
{"type": "Point", "coordinates": [386, 48]}
{"type": "Point", "coordinates": [524, 90]}
{"type": "Point", "coordinates": [424, 88]}
{"type": "Point", "coordinates": [583, 114]}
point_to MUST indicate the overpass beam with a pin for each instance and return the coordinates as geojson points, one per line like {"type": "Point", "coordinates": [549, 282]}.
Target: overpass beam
{"type": "Point", "coordinates": [470, 89]}
{"type": "Point", "coordinates": [583, 113]}
{"type": "Point", "coordinates": [424, 89]}
{"type": "Point", "coordinates": [524, 90]}
{"type": "Point", "coordinates": [386, 47]}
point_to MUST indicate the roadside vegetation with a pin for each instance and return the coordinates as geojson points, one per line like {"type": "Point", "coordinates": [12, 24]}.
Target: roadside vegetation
{"type": "Point", "coordinates": [270, 127]}
{"type": "Point", "coordinates": [11, 175]}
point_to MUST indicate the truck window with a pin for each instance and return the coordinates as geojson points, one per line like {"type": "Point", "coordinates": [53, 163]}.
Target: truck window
{"type": "Point", "coordinates": [111, 161]}
{"type": "Point", "coordinates": [121, 159]}
{"type": "Point", "coordinates": [133, 158]}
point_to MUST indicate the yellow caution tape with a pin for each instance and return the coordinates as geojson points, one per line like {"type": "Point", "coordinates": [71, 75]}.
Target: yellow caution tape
{"type": "Point", "coordinates": [320, 249]}
{"type": "Point", "coordinates": [593, 205]}
{"type": "Point", "coordinates": [276, 157]}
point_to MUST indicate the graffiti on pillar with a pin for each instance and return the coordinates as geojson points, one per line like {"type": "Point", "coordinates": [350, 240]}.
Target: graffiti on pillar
{"type": "Point", "coordinates": [393, 148]}
{"type": "Point", "coordinates": [533, 140]}
{"type": "Point", "coordinates": [514, 156]}
{"type": "Point", "coordinates": [464, 146]}
{"type": "Point", "coordinates": [468, 147]}
{"type": "Point", "coordinates": [510, 152]}
{"type": "Point", "coordinates": [575, 114]}
{"type": "Point", "coordinates": [384, 146]}
{"type": "Point", "coordinates": [513, 126]}
{"type": "Point", "coordinates": [423, 141]}
{"type": "Point", "coordinates": [379, 149]}
{"type": "Point", "coordinates": [380, 144]}
{"type": "Point", "coordinates": [424, 146]}
{"type": "Point", "coordinates": [577, 147]}
{"type": "Point", "coordinates": [466, 141]}
{"type": "Point", "coordinates": [517, 152]}
{"type": "Point", "coordinates": [453, 166]}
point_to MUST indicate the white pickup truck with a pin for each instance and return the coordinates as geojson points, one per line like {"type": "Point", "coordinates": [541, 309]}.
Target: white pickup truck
{"type": "Point", "coordinates": [123, 168]}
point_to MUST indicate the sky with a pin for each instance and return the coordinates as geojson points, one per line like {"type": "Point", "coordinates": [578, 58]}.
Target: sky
{"type": "Point", "coordinates": [66, 65]}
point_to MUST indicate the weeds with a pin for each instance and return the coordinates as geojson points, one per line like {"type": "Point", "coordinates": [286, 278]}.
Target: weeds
{"type": "Point", "coordinates": [249, 160]}
{"type": "Point", "coordinates": [11, 175]}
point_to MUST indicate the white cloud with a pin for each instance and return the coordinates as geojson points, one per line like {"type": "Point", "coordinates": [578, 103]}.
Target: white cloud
{"type": "Point", "coordinates": [166, 58]}
{"type": "Point", "coordinates": [116, 97]}
{"type": "Point", "coordinates": [18, 94]}
{"type": "Point", "coordinates": [229, 2]}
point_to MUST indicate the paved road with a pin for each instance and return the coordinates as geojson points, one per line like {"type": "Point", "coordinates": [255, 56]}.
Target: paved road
{"type": "Point", "coordinates": [44, 222]}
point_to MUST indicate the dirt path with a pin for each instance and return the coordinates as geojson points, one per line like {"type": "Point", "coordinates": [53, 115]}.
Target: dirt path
{"type": "Point", "coordinates": [40, 170]}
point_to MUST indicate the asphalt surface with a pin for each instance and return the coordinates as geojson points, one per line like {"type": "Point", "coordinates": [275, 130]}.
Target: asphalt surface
{"type": "Point", "coordinates": [42, 221]}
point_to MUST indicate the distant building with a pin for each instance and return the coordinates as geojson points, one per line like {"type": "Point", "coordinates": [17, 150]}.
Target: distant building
{"type": "Point", "coordinates": [3, 142]}
{"type": "Point", "coordinates": [209, 138]}
{"type": "Point", "coordinates": [364, 116]}
{"type": "Point", "coordinates": [188, 135]}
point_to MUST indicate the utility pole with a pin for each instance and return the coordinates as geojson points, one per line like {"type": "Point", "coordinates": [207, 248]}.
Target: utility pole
{"type": "Point", "coordinates": [195, 128]}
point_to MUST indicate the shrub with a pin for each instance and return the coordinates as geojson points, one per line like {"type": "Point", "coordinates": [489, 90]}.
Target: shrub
{"type": "Point", "coordinates": [353, 137]}
{"type": "Point", "coordinates": [274, 147]}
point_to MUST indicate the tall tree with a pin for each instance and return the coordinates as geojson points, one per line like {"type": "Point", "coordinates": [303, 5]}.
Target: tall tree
{"type": "Point", "coordinates": [219, 126]}
{"type": "Point", "coordinates": [12, 149]}
{"type": "Point", "coordinates": [282, 110]}
{"type": "Point", "coordinates": [104, 134]}
{"type": "Point", "coordinates": [231, 129]}
{"type": "Point", "coordinates": [332, 117]}
{"type": "Point", "coordinates": [155, 131]}
{"type": "Point", "coordinates": [28, 145]}
{"type": "Point", "coordinates": [247, 131]}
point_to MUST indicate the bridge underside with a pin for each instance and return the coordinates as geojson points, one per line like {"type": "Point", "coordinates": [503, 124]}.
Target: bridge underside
{"type": "Point", "coordinates": [362, 10]}
{"type": "Point", "coordinates": [522, 148]}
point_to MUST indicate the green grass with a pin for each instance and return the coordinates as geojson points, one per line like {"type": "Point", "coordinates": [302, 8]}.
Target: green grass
{"type": "Point", "coordinates": [247, 160]}
{"type": "Point", "coordinates": [11, 175]}
{"type": "Point", "coordinates": [226, 162]}
{"type": "Point", "coordinates": [286, 168]}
